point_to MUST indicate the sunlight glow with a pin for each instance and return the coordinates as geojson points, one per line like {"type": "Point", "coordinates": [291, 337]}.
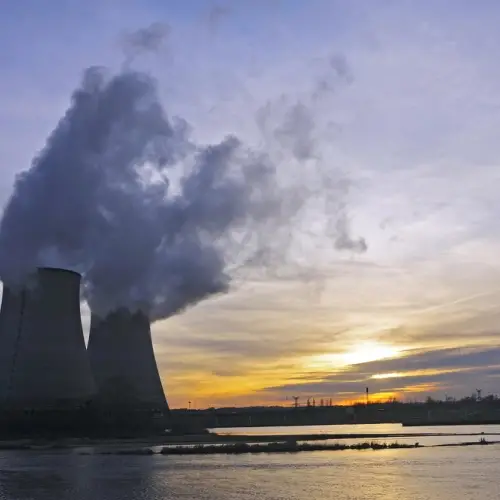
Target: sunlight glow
{"type": "Point", "coordinates": [381, 376]}
{"type": "Point", "coordinates": [369, 351]}
{"type": "Point", "coordinates": [378, 397]}
{"type": "Point", "coordinates": [360, 353]}
{"type": "Point", "coordinates": [427, 372]}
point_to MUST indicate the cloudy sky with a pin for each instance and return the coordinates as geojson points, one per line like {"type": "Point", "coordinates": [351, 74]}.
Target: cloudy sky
{"type": "Point", "coordinates": [409, 120]}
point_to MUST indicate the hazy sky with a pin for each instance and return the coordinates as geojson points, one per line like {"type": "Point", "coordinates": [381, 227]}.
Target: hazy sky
{"type": "Point", "coordinates": [414, 129]}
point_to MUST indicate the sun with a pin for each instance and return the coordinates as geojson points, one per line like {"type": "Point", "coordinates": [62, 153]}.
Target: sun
{"type": "Point", "coordinates": [369, 351]}
{"type": "Point", "coordinates": [363, 352]}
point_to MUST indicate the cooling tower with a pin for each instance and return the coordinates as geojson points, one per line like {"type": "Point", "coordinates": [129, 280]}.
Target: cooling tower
{"type": "Point", "coordinates": [123, 361]}
{"type": "Point", "coordinates": [44, 362]}
{"type": "Point", "coordinates": [10, 316]}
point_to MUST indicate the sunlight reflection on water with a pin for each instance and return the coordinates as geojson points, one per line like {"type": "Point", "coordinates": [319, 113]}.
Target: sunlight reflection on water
{"type": "Point", "coordinates": [361, 429]}
{"type": "Point", "coordinates": [468, 473]}
{"type": "Point", "coordinates": [489, 432]}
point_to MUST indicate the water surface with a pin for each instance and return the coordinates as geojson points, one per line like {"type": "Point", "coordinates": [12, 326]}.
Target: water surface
{"type": "Point", "coordinates": [465, 473]}
{"type": "Point", "coordinates": [449, 434]}
{"type": "Point", "coordinates": [362, 429]}
{"type": "Point", "coordinates": [418, 474]}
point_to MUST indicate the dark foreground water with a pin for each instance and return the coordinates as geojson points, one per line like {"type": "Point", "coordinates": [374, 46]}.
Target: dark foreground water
{"type": "Point", "coordinates": [400, 474]}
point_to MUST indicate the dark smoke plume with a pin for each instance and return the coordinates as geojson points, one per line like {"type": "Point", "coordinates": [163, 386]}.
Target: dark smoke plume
{"type": "Point", "coordinates": [152, 220]}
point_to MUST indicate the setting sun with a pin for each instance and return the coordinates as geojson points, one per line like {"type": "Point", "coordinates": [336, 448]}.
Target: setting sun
{"type": "Point", "coordinates": [360, 353]}
{"type": "Point", "coordinates": [369, 351]}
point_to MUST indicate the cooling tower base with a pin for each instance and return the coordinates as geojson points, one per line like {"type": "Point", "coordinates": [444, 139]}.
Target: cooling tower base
{"type": "Point", "coordinates": [89, 422]}
{"type": "Point", "coordinates": [122, 358]}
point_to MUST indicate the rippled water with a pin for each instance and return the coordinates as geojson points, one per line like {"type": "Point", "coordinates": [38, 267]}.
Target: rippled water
{"type": "Point", "coordinates": [362, 429]}
{"type": "Point", "coordinates": [461, 434]}
{"type": "Point", "coordinates": [402, 474]}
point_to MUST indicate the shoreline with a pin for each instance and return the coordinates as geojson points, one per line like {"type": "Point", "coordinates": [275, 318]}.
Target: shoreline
{"type": "Point", "coordinates": [449, 423]}
{"type": "Point", "coordinates": [279, 447]}
{"type": "Point", "coordinates": [212, 439]}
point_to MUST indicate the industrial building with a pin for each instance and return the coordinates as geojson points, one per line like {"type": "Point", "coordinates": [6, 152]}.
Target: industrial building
{"type": "Point", "coordinates": [43, 361]}
{"type": "Point", "coordinates": [123, 361]}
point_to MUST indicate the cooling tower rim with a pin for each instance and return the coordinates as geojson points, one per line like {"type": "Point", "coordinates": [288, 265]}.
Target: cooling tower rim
{"type": "Point", "coordinates": [19, 287]}
{"type": "Point", "coordinates": [121, 311]}
{"type": "Point", "coordinates": [58, 270]}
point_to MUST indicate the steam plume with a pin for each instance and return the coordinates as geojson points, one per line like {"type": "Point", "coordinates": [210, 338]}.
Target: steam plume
{"type": "Point", "coordinates": [149, 39]}
{"type": "Point", "coordinates": [102, 198]}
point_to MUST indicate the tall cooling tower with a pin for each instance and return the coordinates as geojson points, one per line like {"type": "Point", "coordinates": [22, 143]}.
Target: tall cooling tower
{"type": "Point", "coordinates": [10, 317]}
{"type": "Point", "coordinates": [44, 361]}
{"type": "Point", "coordinates": [123, 361]}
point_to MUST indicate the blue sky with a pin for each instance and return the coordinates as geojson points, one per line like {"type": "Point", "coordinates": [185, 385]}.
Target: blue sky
{"type": "Point", "coordinates": [415, 131]}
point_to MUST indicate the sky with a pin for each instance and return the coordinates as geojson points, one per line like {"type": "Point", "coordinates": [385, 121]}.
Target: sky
{"type": "Point", "coordinates": [413, 131]}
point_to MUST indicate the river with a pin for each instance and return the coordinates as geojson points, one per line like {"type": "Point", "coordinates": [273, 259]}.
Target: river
{"type": "Point", "coordinates": [469, 473]}
{"type": "Point", "coordinates": [451, 434]}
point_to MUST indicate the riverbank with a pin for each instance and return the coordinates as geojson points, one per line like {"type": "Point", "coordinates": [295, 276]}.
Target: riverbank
{"type": "Point", "coordinates": [447, 423]}
{"type": "Point", "coordinates": [281, 447]}
{"type": "Point", "coordinates": [210, 439]}
{"type": "Point", "coordinates": [218, 440]}
{"type": "Point", "coordinates": [275, 447]}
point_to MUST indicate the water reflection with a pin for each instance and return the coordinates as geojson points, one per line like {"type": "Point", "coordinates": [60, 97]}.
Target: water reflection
{"type": "Point", "coordinates": [30, 484]}
{"type": "Point", "coordinates": [398, 474]}
{"type": "Point", "coordinates": [52, 476]}
{"type": "Point", "coordinates": [361, 429]}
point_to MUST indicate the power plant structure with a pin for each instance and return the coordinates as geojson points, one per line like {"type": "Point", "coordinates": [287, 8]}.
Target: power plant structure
{"type": "Point", "coordinates": [122, 359]}
{"type": "Point", "coordinates": [10, 316]}
{"type": "Point", "coordinates": [50, 382]}
{"type": "Point", "coordinates": [43, 362]}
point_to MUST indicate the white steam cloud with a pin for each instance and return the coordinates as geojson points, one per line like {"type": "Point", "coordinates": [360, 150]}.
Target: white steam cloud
{"type": "Point", "coordinates": [152, 220]}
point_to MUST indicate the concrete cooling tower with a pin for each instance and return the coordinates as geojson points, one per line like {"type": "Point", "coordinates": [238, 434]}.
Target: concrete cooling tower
{"type": "Point", "coordinates": [10, 316]}
{"type": "Point", "coordinates": [123, 361]}
{"type": "Point", "coordinates": [42, 350]}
